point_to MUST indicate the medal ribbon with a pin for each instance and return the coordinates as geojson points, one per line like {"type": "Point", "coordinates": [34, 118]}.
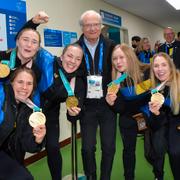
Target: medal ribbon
{"type": "Point", "coordinates": [100, 59]}
{"type": "Point", "coordinates": [119, 80]}
{"type": "Point", "coordinates": [11, 63]}
{"type": "Point", "coordinates": [159, 87]}
{"type": "Point", "coordinates": [31, 105]}
{"type": "Point", "coordinates": [66, 83]}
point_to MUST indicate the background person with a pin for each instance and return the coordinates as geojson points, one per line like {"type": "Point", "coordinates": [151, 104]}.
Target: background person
{"type": "Point", "coordinates": [171, 46]}
{"type": "Point", "coordinates": [145, 52]}
{"type": "Point", "coordinates": [135, 41]}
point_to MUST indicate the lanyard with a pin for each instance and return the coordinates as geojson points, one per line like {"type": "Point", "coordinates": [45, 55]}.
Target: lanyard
{"type": "Point", "coordinates": [167, 50]}
{"type": "Point", "coordinates": [11, 62]}
{"type": "Point", "coordinates": [66, 83]}
{"type": "Point", "coordinates": [100, 59]}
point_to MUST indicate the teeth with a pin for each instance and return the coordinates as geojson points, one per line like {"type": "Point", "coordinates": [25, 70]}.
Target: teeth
{"type": "Point", "coordinates": [22, 93]}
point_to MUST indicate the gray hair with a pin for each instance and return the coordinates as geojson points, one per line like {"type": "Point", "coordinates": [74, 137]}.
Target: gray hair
{"type": "Point", "coordinates": [89, 12]}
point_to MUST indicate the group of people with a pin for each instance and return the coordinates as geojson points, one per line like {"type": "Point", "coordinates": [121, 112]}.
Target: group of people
{"type": "Point", "coordinates": [97, 79]}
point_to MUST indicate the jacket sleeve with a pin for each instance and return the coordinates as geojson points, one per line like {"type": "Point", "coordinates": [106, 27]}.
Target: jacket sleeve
{"type": "Point", "coordinates": [28, 140]}
{"type": "Point", "coordinates": [132, 106]}
{"type": "Point", "coordinates": [28, 24]}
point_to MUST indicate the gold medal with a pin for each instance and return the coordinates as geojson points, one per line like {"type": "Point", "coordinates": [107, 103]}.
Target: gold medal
{"type": "Point", "coordinates": [37, 118]}
{"type": "Point", "coordinates": [71, 101]}
{"type": "Point", "coordinates": [113, 88]}
{"type": "Point", "coordinates": [157, 97]}
{"type": "Point", "coordinates": [4, 70]}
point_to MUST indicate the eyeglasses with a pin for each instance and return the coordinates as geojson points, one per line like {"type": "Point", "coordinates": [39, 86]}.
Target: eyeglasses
{"type": "Point", "coordinates": [167, 34]}
{"type": "Point", "coordinates": [89, 26]}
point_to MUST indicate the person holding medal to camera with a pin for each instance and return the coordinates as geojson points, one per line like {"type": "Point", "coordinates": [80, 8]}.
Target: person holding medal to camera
{"type": "Point", "coordinates": [164, 116]}
{"type": "Point", "coordinates": [127, 94]}
{"type": "Point", "coordinates": [20, 130]}
{"type": "Point", "coordinates": [62, 81]}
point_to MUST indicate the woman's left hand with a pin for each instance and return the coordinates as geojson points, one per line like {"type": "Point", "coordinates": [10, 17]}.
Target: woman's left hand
{"type": "Point", "coordinates": [39, 132]}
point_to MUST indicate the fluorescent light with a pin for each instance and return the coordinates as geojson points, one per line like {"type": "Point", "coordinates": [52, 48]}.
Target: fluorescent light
{"type": "Point", "coordinates": [174, 3]}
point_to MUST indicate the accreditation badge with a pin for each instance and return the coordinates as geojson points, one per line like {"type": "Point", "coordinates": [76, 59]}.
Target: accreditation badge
{"type": "Point", "coordinates": [94, 87]}
{"type": "Point", "coordinates": [36, 119]}
{"type": "Point", "coordinates": [4, 70]}
{"type": "Point", "coordinates": [71, 101]}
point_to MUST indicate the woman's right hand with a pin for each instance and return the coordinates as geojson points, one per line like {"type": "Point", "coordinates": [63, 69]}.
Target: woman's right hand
{"type": "Point", "coordinates": [40, 18]}
{"type": "Point", "coordinates": [110, 98]}
{"type": "Point", "coordinates": [154, 107]}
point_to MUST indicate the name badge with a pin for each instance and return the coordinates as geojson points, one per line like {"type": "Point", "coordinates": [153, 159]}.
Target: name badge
{"type": "Point", "coordinates": [94, 87]}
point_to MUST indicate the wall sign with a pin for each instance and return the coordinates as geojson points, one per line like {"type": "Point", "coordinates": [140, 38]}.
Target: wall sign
{"type": "Point", "coordinates": [110, 18]}
{"type": "Point", "coordinates": [12, 18]}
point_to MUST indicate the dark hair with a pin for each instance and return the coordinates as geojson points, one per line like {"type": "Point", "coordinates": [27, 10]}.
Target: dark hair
{"type": "Point", "coordinates": [135, 38]}
{"type": "Point", "coordinates": [178, 34]}
{"type": "Point", "coordinates": [28, 29]}
{"type": "Point", "coordinates": [73, 45]}
{"type": "Point", "coordinates": [24, 69]}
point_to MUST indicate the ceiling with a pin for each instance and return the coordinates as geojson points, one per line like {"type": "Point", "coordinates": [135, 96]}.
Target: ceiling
{"type": "Point", "coordinates": [158, 12]}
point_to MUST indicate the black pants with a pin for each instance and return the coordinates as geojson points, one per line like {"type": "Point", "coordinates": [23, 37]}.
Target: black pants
{"type": "Point", "coordinates": [129, 137]}
{"type": "Point", "coordinates": [10, 169]}
{"type": "Point", "coordinates": [54, 157]}
{"type": "Point", "coordinates": [166, 139]}
{"type": "Point", "coordinates": [155, 149]}
{"type": "Point", "coordinates": [98, 114]}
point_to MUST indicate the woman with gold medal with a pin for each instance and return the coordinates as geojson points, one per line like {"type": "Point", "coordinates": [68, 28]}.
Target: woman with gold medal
{"type": "Point", "coordinates": [164, 120]}
{"type": "Point", "coordinates": [17, 136]}
{"type": "Point", "coordinates": [127, 94]}
{"type": "Point", "coordinates": [66, 86]}
{"type": "Point", "coordinates": [60, 82]}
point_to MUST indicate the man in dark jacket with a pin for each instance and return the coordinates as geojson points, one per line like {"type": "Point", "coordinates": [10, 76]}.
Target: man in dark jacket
{"type": "Point", "coordinates": [97, 74]}
{"type": "Point", "coordinates": [171, 46]}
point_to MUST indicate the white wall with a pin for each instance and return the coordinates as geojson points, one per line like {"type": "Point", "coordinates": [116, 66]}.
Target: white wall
{"type": "Point", "coordinates": [64, 15]}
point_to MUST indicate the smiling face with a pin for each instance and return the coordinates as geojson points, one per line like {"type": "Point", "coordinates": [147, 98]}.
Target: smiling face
{"type": "Point", "coordinates": [161, 68]}
{"type": "Point", "coordinates": [119, 60]}
{"type": "Point", "coordinates": [28, 44]}
{"type": "Point", "coordinates": [72, 58]}
{"type": "Point", "coordinates": [22, 85]}
{"type": "Point", "coordinates": [91, 27]}
{"type": "Point", "coordinates": [146, 45]}
{"type": "Point", "coordinates": [169, 35]}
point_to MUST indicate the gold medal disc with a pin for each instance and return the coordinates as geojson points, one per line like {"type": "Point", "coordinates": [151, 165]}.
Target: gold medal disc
{"type": "Point", "coordinates": [37, 118]}
{"type": "Point", "coordinates": [71, 101]}
{"type": "Point", "coordinates": [157, 97]}
{"type": "Point", "coordinates": [4, 70]}
{"type": "Point", "coordinates": [113, 88]}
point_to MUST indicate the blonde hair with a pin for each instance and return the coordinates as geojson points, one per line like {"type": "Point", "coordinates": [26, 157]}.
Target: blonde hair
{"type": "Point", "coordinates": [140, 47]}
{"type": "Point", "coordinates": [174, 81]}
{"type": "Point", "coordinates": [134, 67]}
